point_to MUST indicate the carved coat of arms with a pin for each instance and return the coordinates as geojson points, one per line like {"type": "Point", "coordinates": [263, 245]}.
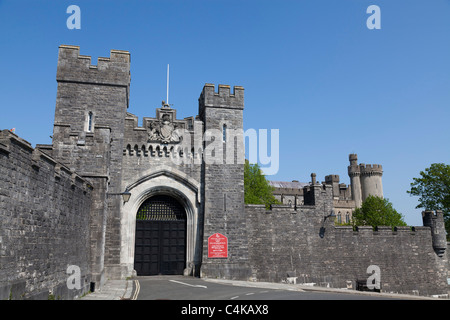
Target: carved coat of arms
{"type": "Point", "coordinates": [163, 131]}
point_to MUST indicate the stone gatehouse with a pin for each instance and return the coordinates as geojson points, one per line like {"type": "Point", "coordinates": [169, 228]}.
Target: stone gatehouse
{"type": "Point", "coordinates": [110, 198]}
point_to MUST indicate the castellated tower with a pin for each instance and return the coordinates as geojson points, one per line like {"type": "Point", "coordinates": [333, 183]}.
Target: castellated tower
{"type": "Point", "coordinates": [223, 187]}
{"type": "Point", "coordinates": [88, 137]}
{"type": "Point", "coordinates": [365, 180]}
{"type": "Point", "coordinates": [371, 184]}
{"type": "Point", "coordinates": [355, 179]}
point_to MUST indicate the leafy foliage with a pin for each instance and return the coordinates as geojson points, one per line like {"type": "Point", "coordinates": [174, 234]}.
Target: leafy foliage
{"type": "Point", "coordinates": [377, 211]}
{"type": "Point", "coordinates": [256, 188]}
{"type": "Point", "coordinates": [433, 190]}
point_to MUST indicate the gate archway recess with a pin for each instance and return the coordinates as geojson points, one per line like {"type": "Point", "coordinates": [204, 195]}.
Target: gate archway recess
{"type": "Point", "coordinates": [160, 245]}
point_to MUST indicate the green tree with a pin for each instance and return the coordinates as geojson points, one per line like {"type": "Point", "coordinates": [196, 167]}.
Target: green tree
{"type": "Point", "coordinates": [433, 190]}
{"type": "Point", "coordinates": [377, 211]}
{"type": "Point", "coordinates": [256, 188]}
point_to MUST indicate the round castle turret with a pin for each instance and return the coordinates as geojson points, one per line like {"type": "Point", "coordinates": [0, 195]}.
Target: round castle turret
{"type": "Point", "coordinates": [365, 180]}
{"type": "Point", "coordinates": [354, 173]}
{"type": "Point", "coordinates": [436, 222]}
{"type": "Point", "coordinates": [371, 184]}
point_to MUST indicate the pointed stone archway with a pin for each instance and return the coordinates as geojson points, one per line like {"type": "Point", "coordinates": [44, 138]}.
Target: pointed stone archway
{"type": "Point", "coordinates": [181, 188]}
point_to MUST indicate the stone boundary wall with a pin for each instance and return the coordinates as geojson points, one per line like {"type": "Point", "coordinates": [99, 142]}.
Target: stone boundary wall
{"type": "Point", "coordinates": [287, 245]}
{"type": "Point", "coordinates": [44, 223]}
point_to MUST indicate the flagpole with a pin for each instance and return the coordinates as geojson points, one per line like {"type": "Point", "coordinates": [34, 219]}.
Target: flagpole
{"type": "Point", "coordinates": [167, 100]}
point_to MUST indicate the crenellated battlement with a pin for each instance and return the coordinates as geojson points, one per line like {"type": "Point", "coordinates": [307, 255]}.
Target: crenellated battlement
{"type": "Point", "coordinates": [143, 142]}
{"type": "Point", "coordinates": [277, 212]}
{"type": "Point", "coordinates": [131, 121]}
{"type": "Point", "coordinates": [353, 158]}
{"type": "Point", "coordinates": [365, 180]}
{"type": "Point", "coordinates": [382, 230]}
{"type": "Point", "coordinates": [71, 55]}
{"type": "Point", "coordinates": [40, 160]}
{"type": "Point", "coordinates": [354, 171]}
{"type": "Point", "coordinates": [365, 169]}
{"type": "Point", "coordinates": [371, 169]}
{"type": "Point", "coordinates": [76, 68]}
{"type": "Point", "coordinates": [223, 98]}
{"type": "Point", "coordinates": [332, 178]}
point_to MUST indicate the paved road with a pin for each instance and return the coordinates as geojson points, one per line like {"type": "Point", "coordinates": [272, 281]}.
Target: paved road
{"type": "Point", "coordinates": [189, 288]}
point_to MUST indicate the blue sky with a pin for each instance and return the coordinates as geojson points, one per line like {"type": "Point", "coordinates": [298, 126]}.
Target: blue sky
{"type": "Point", "coordinates": [311, 69]}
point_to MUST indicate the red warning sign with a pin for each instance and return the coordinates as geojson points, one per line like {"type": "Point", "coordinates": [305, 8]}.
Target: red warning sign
{"type": "Point", "coordinates": [217, 246]}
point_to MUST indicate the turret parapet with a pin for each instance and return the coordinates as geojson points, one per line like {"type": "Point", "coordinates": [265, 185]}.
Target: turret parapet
{"type": "Point", "coordinates": [354, 170]}
{"type": "Point", "coordinates": [332, 178]}
{"type": "Point", "coordinates": [353, 158]}
{"type": "Point", "coordinates": [223, 98]}
{"type": "Point", "coordinates": [436, 222]}
{"type": "Point", "coordinates": [362, 169]}
{"type": "Point", "coordinates": [371, 169]}
{"type": "Point", "coordinates": [73, 67]}
{"type": "Point", "coordinates": [365, 179]}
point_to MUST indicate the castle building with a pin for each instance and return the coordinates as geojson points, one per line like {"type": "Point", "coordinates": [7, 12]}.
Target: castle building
{"type": "Point", "coordinates": [113, 200]}
{"type": "Point", "coordinates": [365, 180]}
{"type": "Point", "coordinates": [97, 137]}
